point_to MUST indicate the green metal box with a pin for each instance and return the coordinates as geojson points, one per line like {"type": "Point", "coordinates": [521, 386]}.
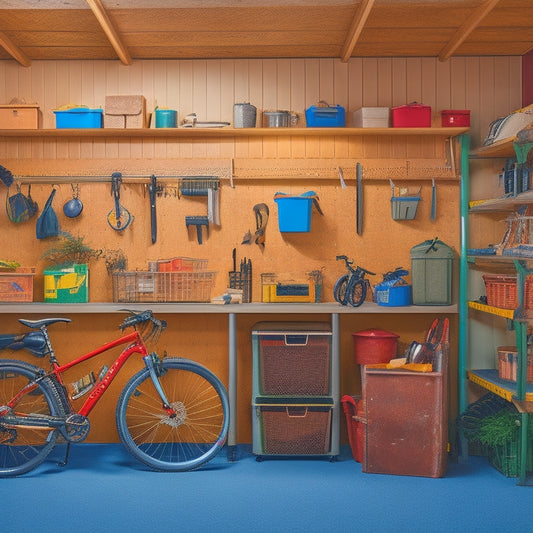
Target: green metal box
{"type": "Point", "coordinates": [431, 273]}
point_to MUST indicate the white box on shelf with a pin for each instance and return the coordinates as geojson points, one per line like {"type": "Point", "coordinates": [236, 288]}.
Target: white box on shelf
{"type": "Point", "coordinates": [371, 117]}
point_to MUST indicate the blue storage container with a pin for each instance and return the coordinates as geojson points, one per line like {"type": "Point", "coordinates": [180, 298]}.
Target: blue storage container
{"type": "Point", "coordinates": [294, 213]}
{"type": "Point", "coordinates": [325, 117]}
{"type": "Point", "coordinates": [166, 118]}
{"type": "Point", "coordinates": [397, 296]}
{"type": "Point", "coordinates": [79, 117]}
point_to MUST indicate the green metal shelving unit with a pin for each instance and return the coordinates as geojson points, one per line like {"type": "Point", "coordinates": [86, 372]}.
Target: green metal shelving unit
{"type": "Point", "coordinates": [517, 319]}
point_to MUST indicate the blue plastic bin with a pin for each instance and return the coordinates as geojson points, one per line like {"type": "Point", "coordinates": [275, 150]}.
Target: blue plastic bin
{"type": "Point", "coordinates": [79, 117]}
{"type": "Point", "coordinates": [325, 117]}
{"type": "Point", "coordinates": [398, 296]}
{"type": "Point", "coordinates": [294, 214]}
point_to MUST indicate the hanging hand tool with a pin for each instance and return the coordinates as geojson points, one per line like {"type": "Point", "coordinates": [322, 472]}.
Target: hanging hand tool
{"type": "Point", "coordinates": [119, 218]}
{"type": "Point", "coordinates": [433, 200]}
{"type": "Point", "coordinates": [261, 219]}
{"type": "Point", "coordinates": [341, 177]}
{"type": "Point", "coordinates": [198, 221]}
{"type": "Point", "coordinates": [359, 180]}
{"type": "Point", "coordinates": [152, 189]}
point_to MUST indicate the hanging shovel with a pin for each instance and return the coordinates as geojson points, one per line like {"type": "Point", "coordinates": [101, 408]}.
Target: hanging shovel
{"type": "Point", "coordinates": [118, 218]}
{"type": "Point", "coordinates": [152, 189]}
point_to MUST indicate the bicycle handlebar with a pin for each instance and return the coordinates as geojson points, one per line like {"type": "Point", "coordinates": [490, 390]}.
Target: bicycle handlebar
{"type": "Point", "coordinates": [142, 317]}
{"type": "Point", "coordinates": [349, 263]}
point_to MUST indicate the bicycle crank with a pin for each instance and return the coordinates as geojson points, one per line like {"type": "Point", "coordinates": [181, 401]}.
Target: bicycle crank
{"type": "Point", "coordinates": [76, 428]}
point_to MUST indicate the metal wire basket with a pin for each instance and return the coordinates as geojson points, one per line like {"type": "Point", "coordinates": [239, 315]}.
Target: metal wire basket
{"type": "Point", "coordinates": [141, 286]}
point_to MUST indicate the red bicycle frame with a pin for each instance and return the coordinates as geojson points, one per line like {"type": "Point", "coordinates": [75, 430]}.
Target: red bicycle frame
{"type": "Point", "coordinates": [137, 346]}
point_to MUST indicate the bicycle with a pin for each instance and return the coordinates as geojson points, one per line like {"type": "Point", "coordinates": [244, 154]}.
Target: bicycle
{"type": "Point", "coordinates": [351, 288]}
{"type": "Point", "coordinates": [172, 415]}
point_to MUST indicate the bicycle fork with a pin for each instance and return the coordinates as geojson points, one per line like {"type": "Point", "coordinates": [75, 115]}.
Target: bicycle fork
{"type": "Point", "coordinates": [153, 364]}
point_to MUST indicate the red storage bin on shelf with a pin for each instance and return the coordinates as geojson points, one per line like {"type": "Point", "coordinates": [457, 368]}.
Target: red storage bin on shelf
{"type": "Point", "coordinates": [412, 115]}
{"type": "Point", "coordinates": [451, 118]}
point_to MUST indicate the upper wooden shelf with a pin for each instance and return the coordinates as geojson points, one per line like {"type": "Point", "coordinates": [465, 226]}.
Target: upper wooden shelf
{"type": "Point", "coordinates": [229, 132]}
{"type": "Point", "coordinates": [504, 148]}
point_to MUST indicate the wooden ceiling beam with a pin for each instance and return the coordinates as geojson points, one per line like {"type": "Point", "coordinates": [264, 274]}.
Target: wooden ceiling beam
{"type": "Point", "coordinates": [114, 38]}
{"type": "Point", "coordinates": [13, 50]}
{"type": "Point", "coordinates": [358, 23]}
{"type": "Point", "coordinates": [468, 26]}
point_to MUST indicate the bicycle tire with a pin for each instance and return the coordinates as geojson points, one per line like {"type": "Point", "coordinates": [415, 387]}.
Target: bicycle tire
{"type": "Point", "coordinates": [26, 448]}
{"type": "Point", "coordinates": [177, 444]}
{"type": "Point", "coordinates": [356, 294]}
{"type": "Point", "coordinates": [339, 290]}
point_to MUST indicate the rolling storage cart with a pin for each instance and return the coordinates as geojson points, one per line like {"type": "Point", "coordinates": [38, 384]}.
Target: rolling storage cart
{"type": "Point", "coordinates": [295, 396]}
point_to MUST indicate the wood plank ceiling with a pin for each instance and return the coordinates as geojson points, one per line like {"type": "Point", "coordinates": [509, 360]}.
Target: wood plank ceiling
{"type": "Point", "coordinates": [127, 30]}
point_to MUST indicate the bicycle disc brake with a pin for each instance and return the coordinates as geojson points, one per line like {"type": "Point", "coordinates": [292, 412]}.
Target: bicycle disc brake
{"type": "Point", "coordinates": [178, 418]}
{"type": "Point", "coordinates": [76, 428]}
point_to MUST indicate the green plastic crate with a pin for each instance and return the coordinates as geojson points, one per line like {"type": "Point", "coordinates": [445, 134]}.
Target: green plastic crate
{"type": "Point", "coordinates": [68, 284]}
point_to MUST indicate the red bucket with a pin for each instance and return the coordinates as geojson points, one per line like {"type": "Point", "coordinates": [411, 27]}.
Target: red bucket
{"type": "Point", "coordinates": [373, 346]}
{"type": "Point", "coordinates": [356, 425]}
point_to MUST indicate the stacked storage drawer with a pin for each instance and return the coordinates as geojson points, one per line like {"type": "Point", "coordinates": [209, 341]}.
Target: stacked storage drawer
{"type": "Point", "coordinates": [293, 403]}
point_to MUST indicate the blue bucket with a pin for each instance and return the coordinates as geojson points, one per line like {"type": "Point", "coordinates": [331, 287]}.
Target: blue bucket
{"type": "Point", "coordinates": [294, 214]}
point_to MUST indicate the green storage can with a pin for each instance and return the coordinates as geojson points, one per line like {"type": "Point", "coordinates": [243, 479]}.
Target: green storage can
{"type": "Point", "coordinates": [431, 273]}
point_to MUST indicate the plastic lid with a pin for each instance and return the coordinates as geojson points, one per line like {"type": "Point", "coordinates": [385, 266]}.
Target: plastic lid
{"type": "Point", "coordinates": [376, 333]}
{"type": "Point", "coordinates": [456, 111]}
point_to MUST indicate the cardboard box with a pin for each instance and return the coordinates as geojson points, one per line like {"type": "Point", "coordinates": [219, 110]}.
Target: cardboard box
{"type": "Point", "coordinates": [19, 117]}
{"type": "Point", "coordinates": [125, 111]}
{"type": "Point", "coordinates": [67, 284]}
{"type": "Point", "coordinates": [371, 117]}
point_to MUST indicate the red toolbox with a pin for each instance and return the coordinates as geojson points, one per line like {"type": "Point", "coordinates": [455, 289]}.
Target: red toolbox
{"type": "Point", "coordinates": [412, 115]}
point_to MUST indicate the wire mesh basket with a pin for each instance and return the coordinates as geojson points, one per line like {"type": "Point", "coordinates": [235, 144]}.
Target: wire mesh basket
{"type": "Point", "coordinates": [141, 286]}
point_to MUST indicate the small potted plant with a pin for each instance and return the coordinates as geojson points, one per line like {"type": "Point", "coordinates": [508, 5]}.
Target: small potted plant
{"type": "Point", "coordinates": [67, 281]}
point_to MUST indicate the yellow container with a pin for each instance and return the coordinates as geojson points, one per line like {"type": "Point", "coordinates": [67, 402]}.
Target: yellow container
{"type": "Point", "coordinates": [291, 288]}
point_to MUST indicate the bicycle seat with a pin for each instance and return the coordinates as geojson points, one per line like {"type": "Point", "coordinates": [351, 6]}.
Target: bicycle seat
{"type": "Point", "coordinates": [43, 322]}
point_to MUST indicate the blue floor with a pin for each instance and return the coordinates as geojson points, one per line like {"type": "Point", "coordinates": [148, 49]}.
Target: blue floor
{"type": "Point", "coordinates": [103, 489]}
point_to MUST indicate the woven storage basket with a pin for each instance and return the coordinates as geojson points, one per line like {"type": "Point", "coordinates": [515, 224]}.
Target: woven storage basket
{"type": "Point", "coordinates": [502, 291]}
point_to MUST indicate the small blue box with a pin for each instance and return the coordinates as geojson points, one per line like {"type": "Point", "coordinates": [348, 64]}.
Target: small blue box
{"type": "Point", "coordinates": [294, 214]}
{"type": "Point", "coordinates": [79, 117]}
{"type": "Point", "coordinates": [325, 117]}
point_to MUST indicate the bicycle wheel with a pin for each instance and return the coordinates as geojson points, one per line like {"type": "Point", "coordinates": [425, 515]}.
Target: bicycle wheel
{"type": "Point", "coordinates": [186, 441]}
{"type": "Point", "coordinates": [25, 448]}
{"type": "Point", "coordinates": [357, 293]}
{"type": "Point", "coordinates": [339, 290]}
